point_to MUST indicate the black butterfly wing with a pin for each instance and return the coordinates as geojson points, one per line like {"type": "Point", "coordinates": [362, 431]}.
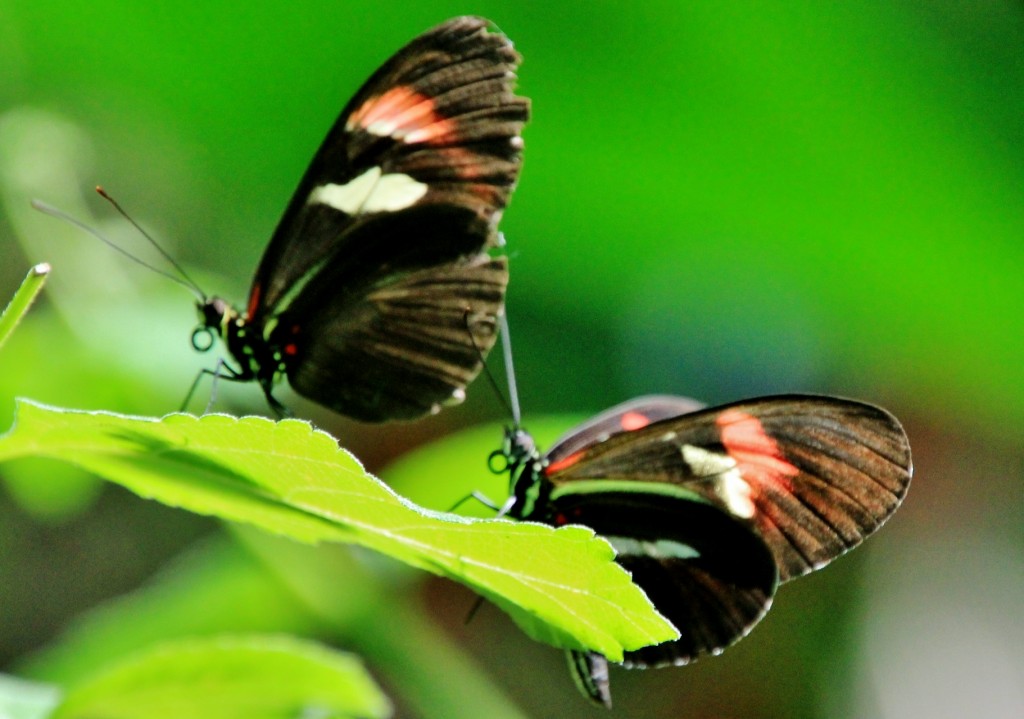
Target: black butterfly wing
{"type": "Point", "coordinates": [400, 349]}
{"type": "Point", "coordinates": [707, 573]}
{"type": "Point", "coordinates": [436, 130]}
{"type": "Point", "coordinates": [813, 476]}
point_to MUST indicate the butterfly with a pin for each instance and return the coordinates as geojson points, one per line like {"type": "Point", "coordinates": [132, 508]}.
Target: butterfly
{"type": "Point", "coordinates": [377, 295]}
{"type": "Point", "coordinates": [710, 509]}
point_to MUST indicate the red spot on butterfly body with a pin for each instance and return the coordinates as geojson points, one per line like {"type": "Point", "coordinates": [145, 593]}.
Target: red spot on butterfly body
{"type": "Point", "coordinates": [757, 455]}
{"type": "Point", "coordinates": [560, 519]}
{"type": "Point", "coordinates": [291, 349]}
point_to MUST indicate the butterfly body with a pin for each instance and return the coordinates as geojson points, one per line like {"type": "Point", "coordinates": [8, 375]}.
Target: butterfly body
{"type": "Point", "coordinates": [257, 359]}
{"type": "Point", "coordinates": [378, 293]}
{"type": "Point", "coordinates": [710, 509]}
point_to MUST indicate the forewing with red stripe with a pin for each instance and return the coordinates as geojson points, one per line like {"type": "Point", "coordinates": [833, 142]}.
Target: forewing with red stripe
{"type": "Point", "coordinates": [813, 475]}
{"type": "Point", "coordinates": [437, 126]}
{"type": "Point", "coordinates": [629, 416]}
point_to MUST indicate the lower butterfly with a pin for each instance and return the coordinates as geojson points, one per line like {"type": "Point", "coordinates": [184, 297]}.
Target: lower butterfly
{"type": "Point", "coordinates": [711, 509]}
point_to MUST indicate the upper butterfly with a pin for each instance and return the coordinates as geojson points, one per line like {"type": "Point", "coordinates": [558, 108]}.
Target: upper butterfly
{"type": "Point", "coordinates": [376, 296]}
{"type": "Point", "coordinates": [710, 509]}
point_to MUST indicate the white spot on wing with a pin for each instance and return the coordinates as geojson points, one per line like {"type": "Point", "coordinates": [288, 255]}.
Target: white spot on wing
{"type": "Point", "coordinates": [383, 128]}
{"type": "Point", "coordinates": [704, 463]}
{"type": "Point", "coordinates": [735, 492]}
{"type": "Point", "coordinates": [725, 475]}
{"type": "Point", "coordinates": [658, 548]}
{"type": "Point", "coordinates": [370, 192]}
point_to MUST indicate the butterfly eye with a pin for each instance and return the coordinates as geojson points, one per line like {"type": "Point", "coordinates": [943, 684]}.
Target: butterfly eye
{"type": "Point", "coordinates": [202, 339]}
{"type": "Point", "coordinates": [498, 461]}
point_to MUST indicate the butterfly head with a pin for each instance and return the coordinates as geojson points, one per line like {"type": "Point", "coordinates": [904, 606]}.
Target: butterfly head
{"type": "Point", "coordinates": [519, 457]}
{"type": "Point", "coordinates": [215, 314]}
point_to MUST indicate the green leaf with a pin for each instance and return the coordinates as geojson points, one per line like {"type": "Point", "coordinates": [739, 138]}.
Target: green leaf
{"type": "Point", "coordinates": [560, 585]}
{"type": "Point", "coordinates": [226, 677]}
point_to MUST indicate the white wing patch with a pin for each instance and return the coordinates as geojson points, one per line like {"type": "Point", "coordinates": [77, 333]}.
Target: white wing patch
{"type": "Point", "coordinates": [658, 549]}
{"type": "Point", "coordinates": [728, 481]}
{"type": "Point", "coordinates": [372, 191]}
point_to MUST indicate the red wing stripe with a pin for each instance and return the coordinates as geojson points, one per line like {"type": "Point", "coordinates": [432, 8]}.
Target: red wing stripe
{"type": "Point", "coordinates": [395, 100]}
{"type": "Point", "coordinates": [254, 301]}
{"type": "Point", "coordinates": [564, 463]}
{"type": "Point", "coordinates": [757, 455]}
{"type": "Point", "coordinates": [403, 114]}
{"type": "Point", "coordinates": [631, 421]}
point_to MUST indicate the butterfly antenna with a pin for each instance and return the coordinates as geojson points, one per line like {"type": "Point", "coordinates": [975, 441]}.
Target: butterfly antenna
{"type": "Point", "coordinates": [510, 371]}
{"type": "Point", "coordinates": [513, 412]}
{"type": "Point", "coordinates": [188, 281]}
{"type": "Point", "coordinates": [60, 215]}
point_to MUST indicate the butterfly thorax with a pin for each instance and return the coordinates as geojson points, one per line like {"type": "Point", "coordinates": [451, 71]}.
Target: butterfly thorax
{"type": "Point", "coordinates": [256, 357]}
{"type": "Point", "coordinates": [528, 489]}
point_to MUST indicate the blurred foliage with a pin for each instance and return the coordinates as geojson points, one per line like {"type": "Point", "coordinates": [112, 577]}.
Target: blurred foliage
{"type": "Point", "coordinates": [719, 199]}
{"type": "Point", "coordinates": [243, 677]}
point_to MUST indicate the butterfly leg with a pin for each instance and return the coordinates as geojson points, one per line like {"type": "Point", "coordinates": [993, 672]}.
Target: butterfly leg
{"type": "Point", "coordinates": [221, 370]}
{"type": "Point", "coordinates": [279, 410]}
{"type": "Point", "coordinates": [478, 496]}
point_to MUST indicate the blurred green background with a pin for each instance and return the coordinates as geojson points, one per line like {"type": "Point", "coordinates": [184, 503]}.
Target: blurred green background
{"type": "Point", "coordinates": [719, 199]}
